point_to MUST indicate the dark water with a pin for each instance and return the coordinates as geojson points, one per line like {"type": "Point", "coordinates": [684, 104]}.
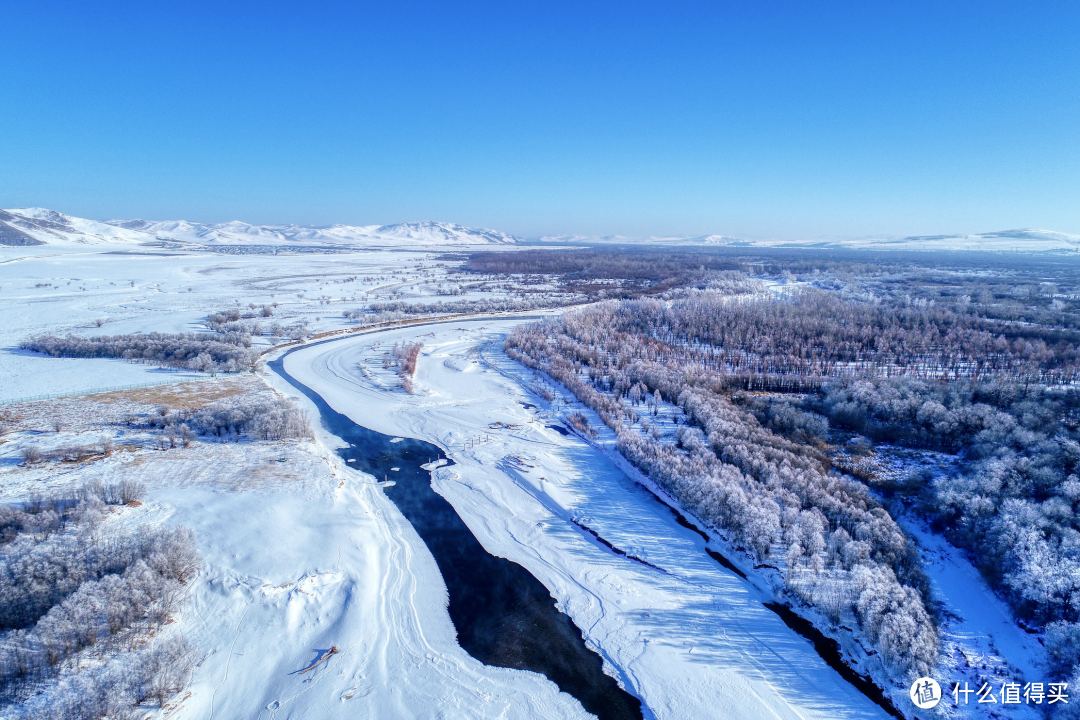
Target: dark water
{"type": "Point", "coordinates": [503, 615]}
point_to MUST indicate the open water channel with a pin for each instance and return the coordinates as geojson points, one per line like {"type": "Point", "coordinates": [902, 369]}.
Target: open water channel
{"type": "Point", "coordinates": [503, 615]}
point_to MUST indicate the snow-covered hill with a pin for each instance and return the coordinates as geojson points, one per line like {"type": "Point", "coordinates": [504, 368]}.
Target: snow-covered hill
{"type": "Point", "coordinates": [241, 233]}
{"type": "Point", "coordinates": [437, 233]}
{"type": "Point", "coordinates": [38, 226]}
{"type": "Point", "coordinates": [35, 226]}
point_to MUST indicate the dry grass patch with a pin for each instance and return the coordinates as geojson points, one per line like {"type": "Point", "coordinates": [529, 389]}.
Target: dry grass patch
{"type": "Point", "coordinates": [193, 395]}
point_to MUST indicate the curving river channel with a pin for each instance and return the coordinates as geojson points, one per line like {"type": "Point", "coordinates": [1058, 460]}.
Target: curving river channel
{"type": "Point", "coordinates": [503, 615]}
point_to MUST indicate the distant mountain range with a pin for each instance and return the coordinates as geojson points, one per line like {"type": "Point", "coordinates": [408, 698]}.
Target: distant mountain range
{"type": "Point", "coordinates": [38, 226]}
{"type": "Point", "coordinates": [35, 226]}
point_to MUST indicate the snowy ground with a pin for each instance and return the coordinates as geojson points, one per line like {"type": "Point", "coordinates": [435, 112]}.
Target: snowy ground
{"type": "Point", "coordinates": [45, 291]}
{"type": "Point", "coordinates": [302, 554]}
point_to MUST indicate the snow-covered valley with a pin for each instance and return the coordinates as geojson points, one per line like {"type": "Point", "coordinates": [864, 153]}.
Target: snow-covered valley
{"type": "Point", "coordinates": [317, 597]}
{"type": "Point", "coordinates": [304, 553]}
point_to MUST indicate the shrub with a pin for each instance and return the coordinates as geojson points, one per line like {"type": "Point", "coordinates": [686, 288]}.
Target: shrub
{"type": "Point", "coordinates": [406, 356]}
{"type": "Point", "coordinates": [274, 420]}
{"type": "Point", "coordinates": [155, 671]}
{"type": "Point", "coordinates": [121, 492]}
{"type": "Point", "coordinates": [579, 421]}
{"type": "Point", "coordinates": [31, 454]}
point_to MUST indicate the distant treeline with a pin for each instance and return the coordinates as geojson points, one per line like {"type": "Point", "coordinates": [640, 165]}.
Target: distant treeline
{"type": "Point", "coordinates": [649, 263]}
{"type": "Point", "coordinates": [615, 272]}
{"type": "Point", "coordinates": [1028, 289]}
{"type": "Point", "coordinates": [795, 341]}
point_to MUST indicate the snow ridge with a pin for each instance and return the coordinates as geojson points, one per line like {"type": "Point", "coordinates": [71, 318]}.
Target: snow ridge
{"type": "Point", "coordinates": [237, 232]}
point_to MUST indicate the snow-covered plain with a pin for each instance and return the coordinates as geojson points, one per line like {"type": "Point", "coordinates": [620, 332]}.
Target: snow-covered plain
{"type": "Point", "coordinates": [42, 291]}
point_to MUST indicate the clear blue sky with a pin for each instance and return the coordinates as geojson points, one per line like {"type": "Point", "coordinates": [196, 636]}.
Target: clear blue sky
{"type": "Point", "coordinates": [762, 119]}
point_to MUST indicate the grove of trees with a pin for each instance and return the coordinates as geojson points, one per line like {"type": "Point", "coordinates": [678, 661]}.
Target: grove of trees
{"type": "Point", "coordinates": [228, 352]}
{"type": "Point", "coordinates": [835, 544]}
{"type": "Point", "coordinates": [74, 589]}
{"type": "Point", "coordinates": [764, 384]}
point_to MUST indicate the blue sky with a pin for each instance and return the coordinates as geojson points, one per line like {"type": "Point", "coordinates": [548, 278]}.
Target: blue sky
{"type": "Point", "coordinates": [758, 119]}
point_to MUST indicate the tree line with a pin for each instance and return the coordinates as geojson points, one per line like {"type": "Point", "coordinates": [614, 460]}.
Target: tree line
{"type": "Point", "coordinates": [229, 352]}
{"type": "Point", "coordinates": [835, 544]}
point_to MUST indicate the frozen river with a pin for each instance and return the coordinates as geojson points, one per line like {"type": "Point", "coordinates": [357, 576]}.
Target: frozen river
{"type": "Point", "coordinates": [503, 616]}
{"type": "Point", "coordinates": [688, 637]}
